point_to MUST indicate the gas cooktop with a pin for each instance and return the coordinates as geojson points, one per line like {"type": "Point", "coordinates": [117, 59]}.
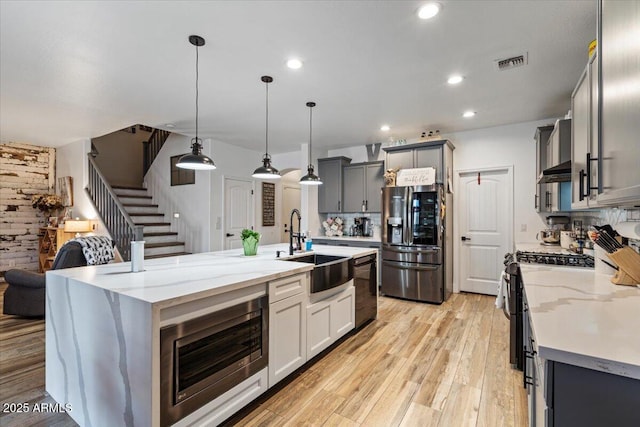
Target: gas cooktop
{"type": "Point", "coordinates": [571, 260]}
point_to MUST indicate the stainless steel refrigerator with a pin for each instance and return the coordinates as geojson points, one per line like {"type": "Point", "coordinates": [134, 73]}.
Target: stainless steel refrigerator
{"type": "Point", "coordinates": [416, 249]}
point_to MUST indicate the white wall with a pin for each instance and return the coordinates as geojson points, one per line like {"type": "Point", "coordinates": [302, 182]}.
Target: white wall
{"type": "Point", "coordinates": [505, 146]}
{"type": "Point", "coordinates": [357, 154]}
{"type": "Point", "coordinates": [510, 145]}
{"type": "Point", "coordinates": [71, 160]}
{"type": "Point", "coordinates": [190, 201]}
{"type": "Point", "coordinates": [201, 206]}
{"type": "Point", "coordinates": [236, 162]}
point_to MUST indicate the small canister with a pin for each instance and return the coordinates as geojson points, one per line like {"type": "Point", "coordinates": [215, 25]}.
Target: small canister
{"type": "Point", "coordinates": [566, 238]}
{"type": "Point", "coordinates": [137, 256]}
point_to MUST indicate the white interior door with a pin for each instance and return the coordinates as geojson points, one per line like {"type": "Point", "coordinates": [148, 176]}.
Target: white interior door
{"type": "Point", "coordinates": [238, 210]}
{"type": "Point", "coordinates": [485, 224]}
{"type": "Point", "coordinates": [290, 201]}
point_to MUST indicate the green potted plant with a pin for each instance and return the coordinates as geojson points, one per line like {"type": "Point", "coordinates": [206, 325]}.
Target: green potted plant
{"type": "Point", "coordinates": [250, 241]}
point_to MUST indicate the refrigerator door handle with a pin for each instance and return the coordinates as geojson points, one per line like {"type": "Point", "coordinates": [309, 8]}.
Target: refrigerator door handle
{"type": "Point", "coordinates": [408, 230]}
{"type": "Point", "coordinates": [413, 250]}
{"type": "Point", "coordinates": [408, 266]}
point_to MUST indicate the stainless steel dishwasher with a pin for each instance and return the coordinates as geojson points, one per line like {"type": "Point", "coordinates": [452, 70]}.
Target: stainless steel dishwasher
{"type": "Point", "coordinates": [365, 278]}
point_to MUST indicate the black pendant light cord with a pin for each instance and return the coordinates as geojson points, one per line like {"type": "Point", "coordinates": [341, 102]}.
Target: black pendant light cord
{"type": "Point", "coordinates": [266, 127]}
{"type": "Point", "coordinates": [197, 75]}
{"type": "Point", "coordinates": [310, 105]}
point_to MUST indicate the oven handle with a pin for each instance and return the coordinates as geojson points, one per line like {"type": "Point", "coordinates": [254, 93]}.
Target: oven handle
{"type": "Point", "coordinates": [409, 266]}
{"type": "Point", "coordinates": [504, 278]}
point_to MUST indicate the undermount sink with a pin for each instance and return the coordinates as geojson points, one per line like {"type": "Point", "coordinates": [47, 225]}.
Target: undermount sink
{"type": "Point", "coordinates": [329, 271]}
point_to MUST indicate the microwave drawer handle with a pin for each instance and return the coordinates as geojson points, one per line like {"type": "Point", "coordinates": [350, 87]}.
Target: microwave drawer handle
{"type": "Point", "coordinates": [408, 266]}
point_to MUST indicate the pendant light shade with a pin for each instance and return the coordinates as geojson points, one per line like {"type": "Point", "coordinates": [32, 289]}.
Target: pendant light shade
{"type": "Point", "coordinates": [310, 178]}
{"type": "Point", "coordinates": [266, 171]}
{"type": "Point", "coordinates": [196, 160]}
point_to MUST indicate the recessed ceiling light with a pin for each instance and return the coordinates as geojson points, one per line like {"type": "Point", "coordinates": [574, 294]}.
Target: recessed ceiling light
{"type": "Point", "coordinates": [170, 125]}
{"type": "Point", "coordinates": [468, 114]}
{"type": "Point", "coordinates": [385, 128]}
{"type": "Point", "coordinates": [294, 63]}
{"type": "Point", "coordinates": [429, 10]}
{"type": "Point", "coordinates": [454, 80]}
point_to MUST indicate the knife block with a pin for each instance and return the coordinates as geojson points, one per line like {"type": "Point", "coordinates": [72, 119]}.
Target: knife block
{"type": "Point", "coordinates": [628, 262]}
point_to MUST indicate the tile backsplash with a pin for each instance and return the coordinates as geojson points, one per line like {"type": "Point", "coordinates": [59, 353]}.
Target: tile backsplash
{"type": "Point", "coordinates": [348, 219]}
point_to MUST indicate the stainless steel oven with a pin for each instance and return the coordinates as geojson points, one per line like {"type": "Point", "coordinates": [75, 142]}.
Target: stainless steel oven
{"type": "Point", "coordinates": [204, 357]}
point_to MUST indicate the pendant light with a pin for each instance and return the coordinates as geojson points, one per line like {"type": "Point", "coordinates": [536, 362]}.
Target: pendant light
{"type": "Point", "coordinates": [196, 160]}
{"type": "Point", "coordinates": [266, 171]}
{"type": "Point", "coordinates": [310, 178]}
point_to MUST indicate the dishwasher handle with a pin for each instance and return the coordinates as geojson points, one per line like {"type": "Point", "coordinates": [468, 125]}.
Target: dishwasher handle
{"type": "Point", "coordinates": [359, 262]}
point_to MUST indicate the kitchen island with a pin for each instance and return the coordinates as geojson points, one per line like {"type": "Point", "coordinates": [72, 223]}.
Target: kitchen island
{"type": "Point", "coordinates": [104, 323]}
{"type": "Point", "coordinates": [583, 347]}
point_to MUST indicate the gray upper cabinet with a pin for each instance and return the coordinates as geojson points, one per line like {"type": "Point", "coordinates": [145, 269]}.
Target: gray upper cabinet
{"type": "Point", "coordinates": [361, 187]}
{"type": "Point", "coordinates": [542, 199]}
{"type": "Point", "coordinates": [619, 150]}
{"type": "Point", "coordinates": [435, 154]}
{"type": "Point", "coordinates": [402, 159]}
{"type": "Point", "coordinates": [353, 188]}
{"type": "Point", "coordinates": [330, 192]}
{"type": "Point", "coordinates": [558, 194]}
{"type": "Point", "coordinates": [584, 138]}
{"type": "Point", "coordinates": [430, 157]}
{"type": "Point", "coordinates": [375, 182]}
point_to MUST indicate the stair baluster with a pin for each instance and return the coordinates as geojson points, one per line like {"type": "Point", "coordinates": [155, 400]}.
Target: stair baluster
{"type": "Point", "coordinates": [114, 216]}
{"type": "Point", "coordinates": [152, 147]}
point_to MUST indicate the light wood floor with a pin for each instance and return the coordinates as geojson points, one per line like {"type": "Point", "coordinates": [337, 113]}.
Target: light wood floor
{"type": "Point", "coordinates": [417, 365]}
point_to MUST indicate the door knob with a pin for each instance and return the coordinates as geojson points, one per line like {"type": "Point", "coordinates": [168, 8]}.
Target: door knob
{"type": "Point", "coordinates": [465, 238]}
{"type": "Point", "coordinates": [230, 234]}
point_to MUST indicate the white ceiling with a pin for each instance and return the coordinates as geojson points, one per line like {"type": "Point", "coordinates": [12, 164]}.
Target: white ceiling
{"type": "Point", "coordinates": [73, 70]}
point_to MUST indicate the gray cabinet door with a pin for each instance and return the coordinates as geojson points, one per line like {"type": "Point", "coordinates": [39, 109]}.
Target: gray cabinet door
{"type": "Point", "coordinates": [430, 157]}
{"type": "Point", "coordinates": [374, 182]}
{"type": "Point", "coordinates": [353, 185]}
{"type": "Point", "coordinates": [400, 159]}
{"type": "Point", "coordinates": [542, 201]}
{"type": "Point", "coordinates": [330, 192]}
{"type": "Point", "coordinates": [620, 119]}
{"type": "Point", "coordinates": [580, 109]}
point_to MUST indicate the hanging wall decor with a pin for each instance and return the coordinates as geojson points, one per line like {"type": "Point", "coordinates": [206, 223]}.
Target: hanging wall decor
{"type": "Point", "coordinates": [65, 190]}
{"type": "Point", "coordinates": [268, 204]}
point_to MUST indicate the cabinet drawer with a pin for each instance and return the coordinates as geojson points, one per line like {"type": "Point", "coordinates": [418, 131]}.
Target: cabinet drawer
{"type": "Point", "coordinates": [287, 287]}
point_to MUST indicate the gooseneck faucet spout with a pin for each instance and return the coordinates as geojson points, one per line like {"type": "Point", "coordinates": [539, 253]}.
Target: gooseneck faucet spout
{"type": "Point", "coordinates": [291, 233]}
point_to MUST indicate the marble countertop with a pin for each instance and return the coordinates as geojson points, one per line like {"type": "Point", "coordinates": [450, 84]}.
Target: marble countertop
{"type": "Point", "coordinates": [353, 238]}
{"type": "Point", "coordinates": [166, 279]}
{"type": "Point", "coordinates": [580, 318]}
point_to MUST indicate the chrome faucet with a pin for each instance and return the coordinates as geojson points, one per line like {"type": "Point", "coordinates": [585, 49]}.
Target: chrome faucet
{"type": "Point", "coordinates": [291, 233]}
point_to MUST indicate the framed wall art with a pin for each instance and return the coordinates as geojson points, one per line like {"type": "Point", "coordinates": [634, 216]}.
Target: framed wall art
{"type": "Point", "coordinates": [64, 189]}
{"type": "Point", "coordinates": [268, 204]}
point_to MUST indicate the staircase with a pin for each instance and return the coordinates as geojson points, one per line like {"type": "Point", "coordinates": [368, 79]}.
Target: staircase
{"type": "Point", "coordinates": [160, 241]}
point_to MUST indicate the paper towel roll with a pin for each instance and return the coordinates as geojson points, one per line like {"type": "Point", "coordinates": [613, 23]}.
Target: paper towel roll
{"type": "Point", "coordinates": [629, 229]}
{"type": "Point", "coordinates": [137, 256]}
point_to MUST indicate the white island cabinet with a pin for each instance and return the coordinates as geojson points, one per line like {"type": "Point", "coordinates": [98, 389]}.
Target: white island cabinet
{"type": "Point", "coordinates": [105, 329]}
{"type": "Point", "coordinates": [287, 326]}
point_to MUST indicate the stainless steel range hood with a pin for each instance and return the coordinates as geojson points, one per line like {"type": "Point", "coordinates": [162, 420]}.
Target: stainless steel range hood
{"type": "Point", "coordinates": [558, 173]}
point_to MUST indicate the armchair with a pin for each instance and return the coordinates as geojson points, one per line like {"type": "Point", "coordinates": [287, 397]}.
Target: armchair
{"type": "Point", "coordinates": [25, 295]}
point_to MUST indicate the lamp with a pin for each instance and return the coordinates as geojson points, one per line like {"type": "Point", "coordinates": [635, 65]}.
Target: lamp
{"type": "Point", "coordinates": [78, 226]}
{"type": "Point", "coordinates": [196, 160]}
{"type": "Point", "coordinates": [310, 178]}
{"type": "Point", "coordinates": [266, 171]}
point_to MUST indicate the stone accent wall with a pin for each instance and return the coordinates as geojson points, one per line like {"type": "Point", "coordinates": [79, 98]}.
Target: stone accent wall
{"type": "Point", "coordinates": [25, 170]}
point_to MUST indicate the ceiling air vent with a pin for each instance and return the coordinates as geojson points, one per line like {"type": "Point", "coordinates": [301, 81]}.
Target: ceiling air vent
{"type": "Point", "coordinates": [513, 62]}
